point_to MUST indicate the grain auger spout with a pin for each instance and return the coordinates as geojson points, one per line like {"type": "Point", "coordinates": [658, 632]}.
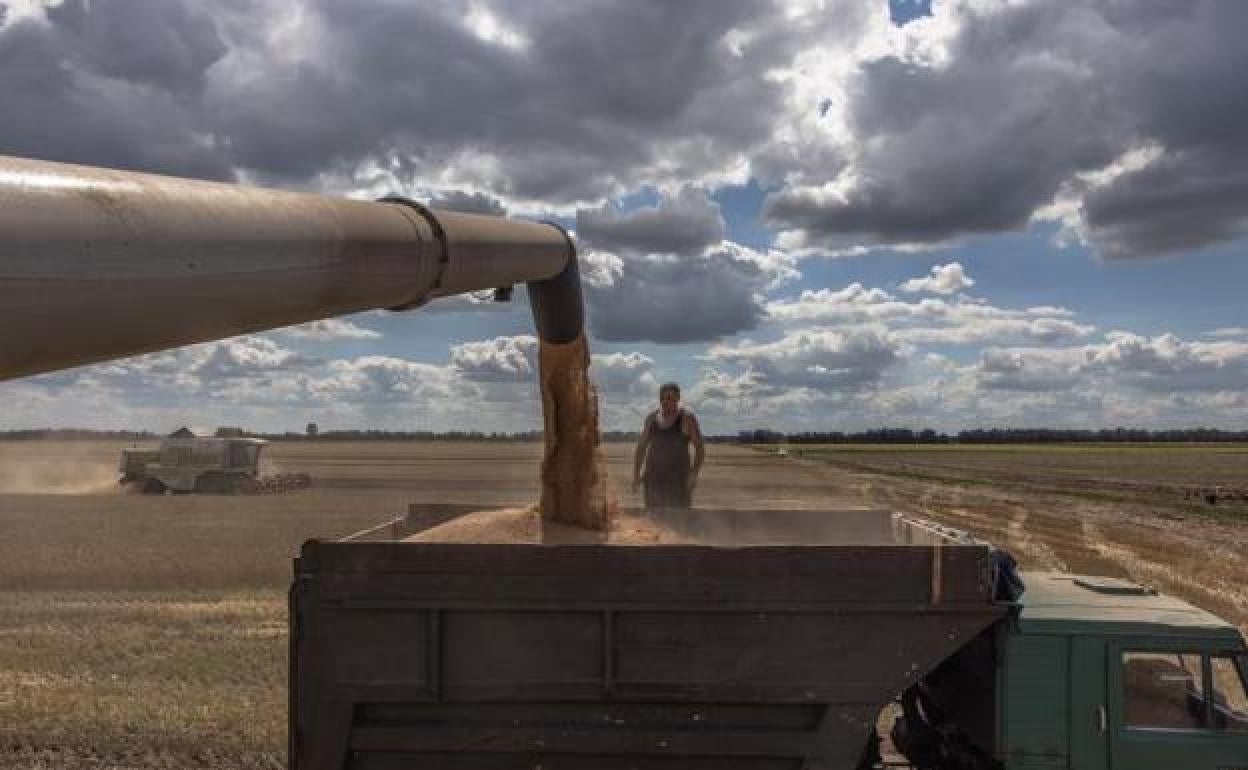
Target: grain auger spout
{"type": "Point", "coordinates": [97, 264]}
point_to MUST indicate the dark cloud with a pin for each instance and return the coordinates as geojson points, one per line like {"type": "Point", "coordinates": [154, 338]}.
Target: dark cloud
{"type": "Point", "coordinates": [1183, 200]}
{"type": "Point", "coordinates": [663, 273]}
{"type": "Point", "coordinates": [468, 203]}
{"type": "Point", "coordinates": [676, 299]}
{"type": "Point", "coordinates": [112, 84]}
{"type": "Point", "coordinates": [685, 223]}
{"type": "Point", "coordinates": [1029, 97]}
{"type": "Point", "coordinates": [539, 100]}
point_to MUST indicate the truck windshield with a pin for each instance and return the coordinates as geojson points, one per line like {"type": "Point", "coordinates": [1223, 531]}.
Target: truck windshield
{"type": "Point", "coordinates": [1230, 701]}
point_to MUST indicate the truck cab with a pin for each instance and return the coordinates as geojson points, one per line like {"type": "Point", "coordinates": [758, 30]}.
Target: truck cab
{"type": "Point", "coordinates": [1092, 673]}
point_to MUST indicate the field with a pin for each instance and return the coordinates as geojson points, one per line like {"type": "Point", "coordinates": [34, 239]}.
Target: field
{"type": "Point", "coordinates": [151, 631]}
{"type": "Point", "coordinates": [1117, 510]}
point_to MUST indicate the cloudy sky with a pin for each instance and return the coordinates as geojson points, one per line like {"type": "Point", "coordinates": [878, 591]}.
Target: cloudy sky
{"type": "Point", "coordinates": [832, 214]}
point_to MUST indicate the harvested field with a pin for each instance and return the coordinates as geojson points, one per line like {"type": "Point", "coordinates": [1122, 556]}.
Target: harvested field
{"type": "Point", "coordinates": [1109, 509]}
{"type": "Point", "coordinates": [150, 632]}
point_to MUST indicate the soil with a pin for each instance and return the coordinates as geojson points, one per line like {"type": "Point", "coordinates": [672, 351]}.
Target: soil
{"type": "Point", "coordinates": [574, 468]}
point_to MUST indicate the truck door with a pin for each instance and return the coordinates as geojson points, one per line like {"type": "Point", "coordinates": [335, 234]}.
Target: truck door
{"type": "Point", "coordinates": [1089, 718]}
{"type": "Point", "coordinates": [1177, 707]}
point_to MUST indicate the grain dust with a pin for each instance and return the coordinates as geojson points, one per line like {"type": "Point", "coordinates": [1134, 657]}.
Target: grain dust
{"type": "Point", "coordinates": [72, 469]}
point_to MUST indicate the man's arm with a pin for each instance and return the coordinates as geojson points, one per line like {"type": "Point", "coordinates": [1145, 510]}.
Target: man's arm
{"type": "Point", "coordinates": [639, 455]}
{"type": "Point", "coordinates": [699, 448]}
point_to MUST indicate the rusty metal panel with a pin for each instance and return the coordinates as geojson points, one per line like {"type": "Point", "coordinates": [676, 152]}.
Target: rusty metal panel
{"type": "Point", "coordinates": [501, 656]}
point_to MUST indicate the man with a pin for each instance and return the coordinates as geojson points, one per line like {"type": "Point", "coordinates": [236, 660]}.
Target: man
{"type": "Point", "coordinates": [663, 449]}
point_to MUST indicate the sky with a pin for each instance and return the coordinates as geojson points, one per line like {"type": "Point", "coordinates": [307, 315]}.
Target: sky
{"type": "Point", "coordinates": [812, 214]}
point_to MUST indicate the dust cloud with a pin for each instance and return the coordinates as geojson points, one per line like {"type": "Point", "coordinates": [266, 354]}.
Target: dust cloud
{"type": "Point", "coordinates": [574, 466]}
{"type": "Point", "coordinates": [29, 468]}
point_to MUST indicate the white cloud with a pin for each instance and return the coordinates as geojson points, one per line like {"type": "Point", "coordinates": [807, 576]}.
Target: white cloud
{"type": "Point", "coordinates": [817, 358]}
{"type": "Point", "coordinates": [929, 321]}
{"type": "Point", "coordinates": [1168, 363]}
{"type": "Point", "coordinates": [330, 329]}
{"type": "Point", "coordinates": [944, 279]}
{"type": "Point", "coordinates": [501, 359]}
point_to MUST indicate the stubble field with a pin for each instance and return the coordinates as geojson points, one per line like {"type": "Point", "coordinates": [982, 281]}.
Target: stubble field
{"type": "Point", "coordinates": [151, 631]}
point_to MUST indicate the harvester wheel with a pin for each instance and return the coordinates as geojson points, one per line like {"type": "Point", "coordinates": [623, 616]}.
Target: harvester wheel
{"type": "Point", "coordinates": [152, 487]}
{"type": "Point", "coordinates": [212, 484]}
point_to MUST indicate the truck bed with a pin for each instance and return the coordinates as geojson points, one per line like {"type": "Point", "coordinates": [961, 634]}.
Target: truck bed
{"type": "Point", "coordinates": [773, 645]}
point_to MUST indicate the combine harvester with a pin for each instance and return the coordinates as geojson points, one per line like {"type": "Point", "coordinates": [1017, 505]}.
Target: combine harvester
{"type": "Point", "coordinates": [772, 641]}
{"type": "Point", "coordinates": [185, 463]}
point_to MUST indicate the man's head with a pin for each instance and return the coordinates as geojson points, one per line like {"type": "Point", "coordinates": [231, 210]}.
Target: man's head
{"type": "Point", "coordinates": [669, 398]}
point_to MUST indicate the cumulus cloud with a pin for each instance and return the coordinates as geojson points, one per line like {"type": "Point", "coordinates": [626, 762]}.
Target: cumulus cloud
{"type": "Point", "coordinates": [684, 223]}
{"type": "Point", "coordinates": [1123, 362]}
{"type": "Point", "coordinates": [376, 380]}
{"type": "Point", "coordinates": [625, 375]}
{"type": "Point", "coordinates": [532, 101]}
{"type": "Point", "coordinates": [964, 321]}
{"type": "Point", "coordinates": [501, 359]}
{"type": "Point", "coordinates": [330, 329]}
{"type": "Point", "coordinates": [115, 86]}
{"type": "Point", "coordinates": [977, 119]}
{"type": "Point", "coordinates": [665, 274]}
{"type": "Point", "coordinates": [674, 299]}
{"type": "Point", "coordinates": [944, 279]}
{"type": "Point", "coordinates": [1168, 363]}
{"type": "Point", "coordinates": [1015, 370]}
{"type": "Point", "coordinates": [817, 358]}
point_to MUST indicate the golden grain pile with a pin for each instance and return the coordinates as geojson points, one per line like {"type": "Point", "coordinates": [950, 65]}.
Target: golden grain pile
{"type": "Point", "coordinates": [528, 526]}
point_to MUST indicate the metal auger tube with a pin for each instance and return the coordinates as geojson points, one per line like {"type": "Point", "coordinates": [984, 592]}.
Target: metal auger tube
{"type": "Point", "coordinates": [98, 264]}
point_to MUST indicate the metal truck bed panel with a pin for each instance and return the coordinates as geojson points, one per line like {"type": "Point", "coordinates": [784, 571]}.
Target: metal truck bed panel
{"type": "Point", "coordinates": [600, 656]}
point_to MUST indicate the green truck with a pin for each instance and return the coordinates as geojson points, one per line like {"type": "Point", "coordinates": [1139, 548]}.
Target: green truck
{"type": "Point", "coordinates": [770, 640]}
{"type": "Point", "coordinates": [1090, 673]}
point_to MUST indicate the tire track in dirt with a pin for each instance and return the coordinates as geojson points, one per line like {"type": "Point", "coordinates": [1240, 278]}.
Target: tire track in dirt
{"type": "Point", "coordinates": [1201, 559]}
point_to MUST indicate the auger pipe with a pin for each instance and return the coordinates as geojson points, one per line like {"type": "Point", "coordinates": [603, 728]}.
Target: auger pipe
{"type": "Point", "coordinates": [97, 264]}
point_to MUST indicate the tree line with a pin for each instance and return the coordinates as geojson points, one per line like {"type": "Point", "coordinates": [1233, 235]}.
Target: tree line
{"type": "Point", "coordinates": [999, 436]}
{"type": "Point", "coordinates": [756, 436]}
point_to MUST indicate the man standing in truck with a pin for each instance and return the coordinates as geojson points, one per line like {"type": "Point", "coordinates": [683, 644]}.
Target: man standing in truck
{"type": "Point", "coordinates": [663, 451]}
